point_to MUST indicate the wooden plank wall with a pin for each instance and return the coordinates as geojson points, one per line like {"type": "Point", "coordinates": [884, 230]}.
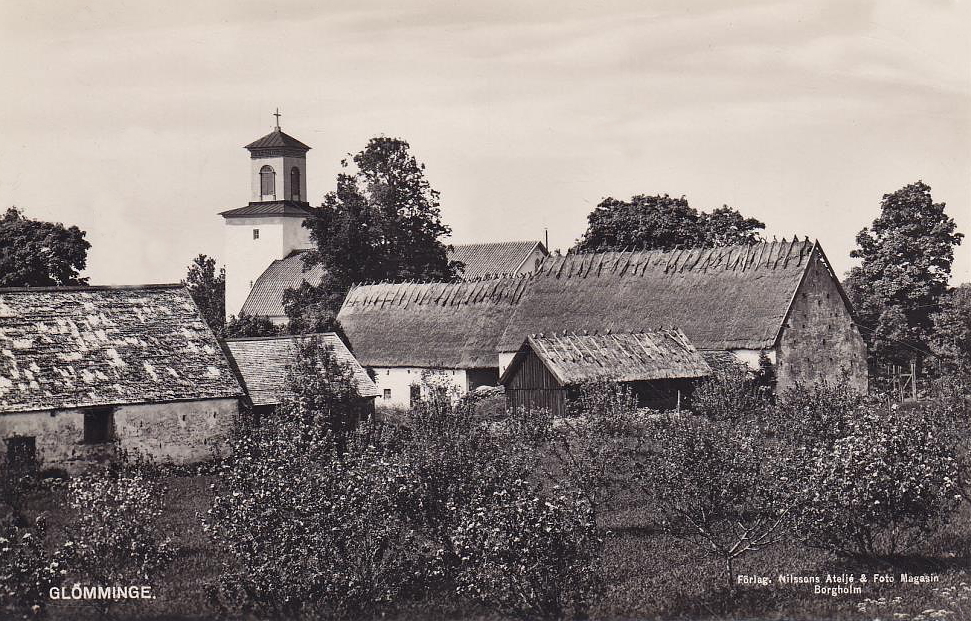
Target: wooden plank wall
{"type": "Point", "coordinates": [533, 387]}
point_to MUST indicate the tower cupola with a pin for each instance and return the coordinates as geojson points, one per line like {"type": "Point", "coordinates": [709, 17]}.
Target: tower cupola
{"type": "Point", "coordinates": [278, 167]}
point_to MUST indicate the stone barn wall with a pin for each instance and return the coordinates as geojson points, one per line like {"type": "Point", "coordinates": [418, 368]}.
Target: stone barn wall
{"type": "Point", "coordinates": [819, 339]}
{"type": "Point", "coordinates": [179, 432]}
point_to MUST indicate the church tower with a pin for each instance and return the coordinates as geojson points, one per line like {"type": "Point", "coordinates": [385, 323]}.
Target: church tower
{"type": "Point", "coordinates": [270, 227]}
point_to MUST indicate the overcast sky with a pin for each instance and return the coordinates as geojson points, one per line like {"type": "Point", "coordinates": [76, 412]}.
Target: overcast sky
{"type": "Point", "coordinates": [128, 118]}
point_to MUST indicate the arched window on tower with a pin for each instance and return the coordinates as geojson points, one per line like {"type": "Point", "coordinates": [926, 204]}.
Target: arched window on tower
{"type": "Point", "coordinates": [267, 181]}
{"type": "Point", "coordinates": [294, 184]}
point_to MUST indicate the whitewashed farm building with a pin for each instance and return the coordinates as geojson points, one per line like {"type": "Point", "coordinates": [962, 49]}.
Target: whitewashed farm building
{"type": "Point", "coordinates": [781, 298]}
{"type": "Point", "coordinates": [88, 372]}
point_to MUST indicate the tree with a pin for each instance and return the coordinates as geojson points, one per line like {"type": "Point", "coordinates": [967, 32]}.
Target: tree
{"type": "Point", "coordinates": [34, 253]}
{"type": "Point", "coordinates": [723, 486]}
{"type": "Point", "coordinates": [664, 223]}
{"type": "Point", "coordinates": [383, 222]}
{"type": "Point", "coordinates": [246, 325]}
{"type": "Point", "coordinates": [208, 290]}
{"type": "Point", "coordinates": [906, 257]}
{"type": "Point", "coordinates": [952, 329]}
{"type": "Point", "coordinates": [313, 309]}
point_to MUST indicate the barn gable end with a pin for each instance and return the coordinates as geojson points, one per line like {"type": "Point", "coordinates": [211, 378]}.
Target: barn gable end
{"type": "Point", "coordinates": [820, 339]}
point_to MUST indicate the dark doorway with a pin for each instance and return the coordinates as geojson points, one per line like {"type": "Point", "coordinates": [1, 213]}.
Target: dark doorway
{"type": "Point", "coordinates": [22, 453]}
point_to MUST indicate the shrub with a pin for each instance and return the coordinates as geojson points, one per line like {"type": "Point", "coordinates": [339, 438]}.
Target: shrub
{"type": "Point", "coordinates": [452, 458]}
{"type": "Point", "coordinates": [322, 389]}
{"type": "Point", "coordinates": [528, 555]}
{"type": "Point", "coordinates": [27, 571]}
{"type": "Point", "coordinates": [313, 528]}
{"type": "Point", "coordinates": [731, 393]}
{"type": "Point", "coordinates": [887, 482]}
{"type": "Point", "coordinates": [115, 539]}
{"type": "Point", "coordinates": [816, 414]}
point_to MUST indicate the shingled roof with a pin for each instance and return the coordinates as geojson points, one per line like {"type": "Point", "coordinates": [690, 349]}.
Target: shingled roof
{"type": "Point", "coordinates": [431, 325]}
{"type": "Point", "coordinates": [90, 346]}
{"type": "Point", "coordinates": [492, 259]}
{"type": "Point", "coordinates": [277, 139]}
{"type": "Point", "coordinates": [263, 364]}
{"type": "Point", "coordinates": [292, 209]}
{"type": "Point", "coordinates": [266, 296]}
{"type": "Point", "coordinates": [722, 298]}
{"type": "Point", "coordinates": [627, 357]}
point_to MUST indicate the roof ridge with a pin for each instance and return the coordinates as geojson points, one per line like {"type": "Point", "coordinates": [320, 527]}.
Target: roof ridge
{"type": "Point", "coordinates": [75, 288]}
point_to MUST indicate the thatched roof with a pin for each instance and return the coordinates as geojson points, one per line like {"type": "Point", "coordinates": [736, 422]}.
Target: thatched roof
{"type": "Point", "coordinates": [495, 258]}
{"type": "Point", "coordinates": [722, 298]}
{"type": "Point", "coordinates": [76, 347]}
{"type": "Point", "coordinates": [627, 357]}
{"type": "Point", "coordinates": [266, 296]}
{"type": "Point", "coordinates": [431, 325]}
{"type": "Point", "coordinates": [263, 364]}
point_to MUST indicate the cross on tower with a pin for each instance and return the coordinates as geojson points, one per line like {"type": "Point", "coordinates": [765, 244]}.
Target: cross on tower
{"type": "Point", "coordinates": [277, 115]}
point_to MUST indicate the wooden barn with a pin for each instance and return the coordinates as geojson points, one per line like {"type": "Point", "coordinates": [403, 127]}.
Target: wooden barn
{"type": "Point", "coordinates": [262, 365]}
{"type": "Point", "coordinates": [659, 366]}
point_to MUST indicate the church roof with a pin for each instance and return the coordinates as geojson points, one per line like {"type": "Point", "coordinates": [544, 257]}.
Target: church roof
{"type": "Point", "coordinates": [492, 259]}
{"type": "Point", "coordinates": [269, 208]}
{"type": "Point", "coordinates": [625, 357]}
{"type": "Point", "coordinates": [264, 362]}
{"type": "Point", "coordinates": [277, 139]}
{"type": "Point", "coordinates": [73, 347]}
{"type": "Point", "coordinates": [266, 296]}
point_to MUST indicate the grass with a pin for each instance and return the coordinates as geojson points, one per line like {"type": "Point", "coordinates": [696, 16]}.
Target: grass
{"type": "Point", "coordinates": [649, 575]}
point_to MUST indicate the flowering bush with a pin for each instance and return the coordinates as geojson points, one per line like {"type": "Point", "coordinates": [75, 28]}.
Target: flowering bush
{"type": "Point", "coordinates": [526, 554]}
{"type": "Point", "coordinates": [954, 602]}
{"type": "Point", "coordinates": [733, 392]}
{"type": "Point", "coordinates": [452, 457]}
{"type": "Point", "coordinates": [27, 571]}
{"type": "Point", "coordinates": [887, 482]}
{"type": "Point", "coordinates": [315, 527]}
{"type": "Point", "coordinates": [115, 539]}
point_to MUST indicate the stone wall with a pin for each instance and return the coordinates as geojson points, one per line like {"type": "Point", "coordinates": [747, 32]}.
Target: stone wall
{"type": "Point", "coordinates": [819, 340]}
{"type": "Point", "coordinates": [176, 433]}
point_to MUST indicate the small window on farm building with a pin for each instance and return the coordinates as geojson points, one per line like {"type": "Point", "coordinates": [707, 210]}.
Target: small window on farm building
{"type": "Point", "coordinates": [256, 233]}
{"type": "Point", "coordinates": [415, 396]}
{"type": "Point", "coordinates": [98, 425]}
{"type": "Point", "coordinates": [387, 394]}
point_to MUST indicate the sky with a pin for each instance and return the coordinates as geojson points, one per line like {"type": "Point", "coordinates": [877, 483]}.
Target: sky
{"type": "Point", "coordinates": [127, 118]}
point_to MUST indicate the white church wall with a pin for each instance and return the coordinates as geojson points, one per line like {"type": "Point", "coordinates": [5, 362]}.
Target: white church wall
{"type": "Point", "coordinates": [247, 256]}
